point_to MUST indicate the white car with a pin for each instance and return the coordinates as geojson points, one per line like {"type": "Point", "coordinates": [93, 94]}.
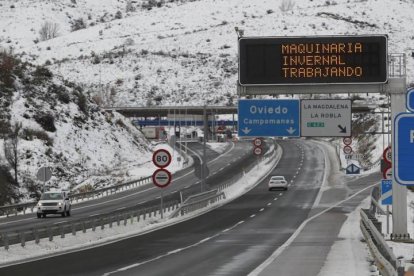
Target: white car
{"type": "Point", "coordinates": [53, 203]}
{"type": "Point", "coordinates": [277, 182]}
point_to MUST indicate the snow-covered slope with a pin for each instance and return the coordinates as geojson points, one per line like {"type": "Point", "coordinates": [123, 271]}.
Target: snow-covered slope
{"type": "Point", "coordinates": [182, 52]}
{"type": "Point", "coordinates": [63, 129]}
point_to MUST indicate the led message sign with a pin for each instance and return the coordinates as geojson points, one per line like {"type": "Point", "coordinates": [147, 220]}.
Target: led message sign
{"type": "Point", "coordinates": [312, 60]}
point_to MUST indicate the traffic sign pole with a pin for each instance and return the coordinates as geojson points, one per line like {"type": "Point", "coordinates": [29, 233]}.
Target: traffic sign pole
{"type": "Point", "coordinates": [399, 192]}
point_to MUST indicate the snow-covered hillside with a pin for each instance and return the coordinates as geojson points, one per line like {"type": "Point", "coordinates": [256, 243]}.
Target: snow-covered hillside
{"type": "Point", "coordinates": [60, 127]}
{"type": "Point", "coordinates": [182, 52]}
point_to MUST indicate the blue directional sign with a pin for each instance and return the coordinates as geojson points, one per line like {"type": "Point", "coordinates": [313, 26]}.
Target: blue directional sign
{"type": "Point", "coordinates": [386, 192]}
{"type": "Point", "coordinates": [410, 100]}
{"type": "Point", "coordinates": [353, 169]}
{"type": "Point", "coordinates": [403, 149]}
{"type": "Point", "coordinates": [264, 118]}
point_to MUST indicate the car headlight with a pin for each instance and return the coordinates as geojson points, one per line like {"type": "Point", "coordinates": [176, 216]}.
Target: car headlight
{"type": "Point", "coordinates": [39, 204]}
{"type": "Point", "coordinates": [60, 204]}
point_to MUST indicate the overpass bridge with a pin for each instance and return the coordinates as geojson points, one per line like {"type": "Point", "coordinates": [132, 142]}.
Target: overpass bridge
{"type": "Point", "coordinates": [164, 111]}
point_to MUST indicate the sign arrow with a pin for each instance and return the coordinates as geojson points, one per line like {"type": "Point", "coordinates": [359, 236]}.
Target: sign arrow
{"type": "Point", "coordinates": [246, 130]}
{"type": "Point", "coordinates": [291, 130]}
{"type": "Point", "coordinates": [343, 129]}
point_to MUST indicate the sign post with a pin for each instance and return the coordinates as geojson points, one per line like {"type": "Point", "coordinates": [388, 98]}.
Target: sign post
{"type": "Point", "coordinates": [44, 174]}
{"type": "Point", "coordinates": [386, 198]}
{"type": "Point", "coordinates": [161, 177]}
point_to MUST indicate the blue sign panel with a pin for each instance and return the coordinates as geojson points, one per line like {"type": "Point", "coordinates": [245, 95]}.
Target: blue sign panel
{"type": "Point", "coordinates": [269, 118]}
{"type": "Point", "coordinates": [403, 149]}
{"type": "Point", "coordinates": [386, 192]}
{"type": "Point", "coordinates": [353, 169]}
{"type": "Point", "coordinates": [410, 100]}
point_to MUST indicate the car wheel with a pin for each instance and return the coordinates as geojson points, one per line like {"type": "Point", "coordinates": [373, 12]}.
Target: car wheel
{"type": "Point", "coordinates": [270, 189]}
{"type": "Point", "coordinates": [63, 213]}
{"type": "Point", "coordinates": [39, 215]}
{"type": "Point", "coordinates": [68, 213]}
{"type": "Point", "coordinates": [285, 189]}
{"type": "Point", "coordinates": [44, 215]}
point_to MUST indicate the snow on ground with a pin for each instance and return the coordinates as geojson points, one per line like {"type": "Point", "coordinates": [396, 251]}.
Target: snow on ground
{"type": "Point", "coordinates": [107, 235]}
{"type": "Point", "coordinates": [405, 250]}
{"type": "Point", "coordinates": [218, 147]}
{"type": "Point", "coordinates": [184, 52]}
{"type": "Point", "coordinates": [348, 256]}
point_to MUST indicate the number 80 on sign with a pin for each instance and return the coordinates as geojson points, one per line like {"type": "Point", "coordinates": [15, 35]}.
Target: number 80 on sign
{"type": "Point", "coordinates": [161, 158]}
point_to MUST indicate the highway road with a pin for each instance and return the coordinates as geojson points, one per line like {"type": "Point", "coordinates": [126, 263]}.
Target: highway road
{"type": "Point", "coordinates": [144, 195]}
{"type": "Point", "coordinates": [230, 240]}
{"type": "Point", "coordinates": [236, 238]}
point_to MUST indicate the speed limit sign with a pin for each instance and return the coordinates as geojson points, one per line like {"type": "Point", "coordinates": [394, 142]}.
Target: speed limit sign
{"type": "Point", "coordinates": [257, 142]}
{"type": "Point", "coordinates": [161, 158]}
{"type": "Point", "coordinates": [387, 155]}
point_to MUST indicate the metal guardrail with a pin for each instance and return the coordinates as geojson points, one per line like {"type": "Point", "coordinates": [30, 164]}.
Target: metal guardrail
{"type": "Point", "coordinates": [384, 257]}
{"type": "Point", "coordinates": [7, 210]}
{"type": "Point", "coordinates": [81, 225]}
{"type": "Point", "coordinates": [23, 207]}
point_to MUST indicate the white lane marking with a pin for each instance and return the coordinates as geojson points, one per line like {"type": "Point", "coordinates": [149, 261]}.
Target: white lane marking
{"type": "Point", "coordinates": [252, 216]}
{"type": "Point", "coordinates": [275, 199]}
{"type": "Point", "coordinates": [158, 197]}
{"type": "Point", "coordinates": [173, 251]}
{"type": "Point", "coordinates": [281, 194]}
{"type": "Point", "coordinates": [269, 204]}
{"type": "Point", "coordinates": [4, 223]}
{"type": "Point", "coordinates": [279, 251]}
{"type": "Point", "coordinates": [60, 222]}
{"type": "Point", "coordinates": [94, 215]}
{"type": "Point", "coordinates": [261, 210]}
{"type": "Point", "coordinates": [115, 199]}
{"type": "Point", "coordinates": [142, 202]}
{"type": "Point", "coordinates": [121, 208]}
{"type": "Point", "coordinates": [325, 177]}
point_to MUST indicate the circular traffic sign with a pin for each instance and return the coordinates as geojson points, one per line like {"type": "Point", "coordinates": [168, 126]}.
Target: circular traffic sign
{"type": "Point", "coordinates": [161, 178]}
{"type": "Point", "coordinates": [347, 141]}
{"type": "Point", "coordinates": [257, 142]}
{"type": "Point", "coordinates": [387, 155]}
{"type": "Point", "coordinates": [387, 174]}
{"type": "Point", "coordinates": [44, 174]}
{"type": "Point", "coordinates": [347, 150]}
{"type": "Point", "coordinates": [161, 158]}
{"type": "Point", "coordinates": [257, 151]}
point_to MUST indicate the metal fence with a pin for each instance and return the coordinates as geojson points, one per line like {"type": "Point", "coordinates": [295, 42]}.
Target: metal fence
{"type": "Point", "coordinates": [384, 257]}
{"type": "Point", "coordinates": [123, 217]}
{"type": "Point", "coordinates": [23, 207]}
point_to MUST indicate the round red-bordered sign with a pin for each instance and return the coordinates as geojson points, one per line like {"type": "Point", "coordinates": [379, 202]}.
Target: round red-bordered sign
{"type": "Point", "coordinates": [257, 142]}
{"type": "Point", "coordinates": [387, 174]}
{"type": "Point", "coordinates": [347, 150]}
{"type": "Point", "coordinates": [347, 141]}
{"type": "Point", "coordinates": [161, 158]}
{"type": "Point", "coordinates": [387, 155]}
{"type": "Point", "coordinates": [161, 178]}
{"type": "Point", "coordinates": [257, 151]}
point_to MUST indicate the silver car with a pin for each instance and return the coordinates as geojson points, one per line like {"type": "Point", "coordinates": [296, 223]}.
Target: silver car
{"type": "Point", "coordinates": [53, 203]}
{"type": "Point", "coordinates": [277, 182]}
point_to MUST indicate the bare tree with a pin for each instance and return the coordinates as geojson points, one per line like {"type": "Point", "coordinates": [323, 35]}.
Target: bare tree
{"type": "Point", "coordinates": [11, 149]}
{"type": "Point", "coordinates": [49, 30]}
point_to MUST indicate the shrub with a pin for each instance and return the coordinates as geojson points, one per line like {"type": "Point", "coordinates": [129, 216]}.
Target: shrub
{"type": "Point", "coordinates": [78, 24]}
{"type": "Point", "coordinates": [30, 134]}
{"type": "Point", "coordinates": [46, 121]}
{"type": "Point", "coordinates": [41, 74]}
{"type": "Point", "coordinates": [118, 15]}
{"type": "Point", "coordinates": [82, 103]}
{"type": "Point", "coordinates": [48, 30]}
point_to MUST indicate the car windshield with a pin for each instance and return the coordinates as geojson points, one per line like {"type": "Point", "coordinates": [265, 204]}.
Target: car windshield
{"type": "Point", "coordinates": [277, 178]}
{"type": "Point", "coordinates": [51, 196]}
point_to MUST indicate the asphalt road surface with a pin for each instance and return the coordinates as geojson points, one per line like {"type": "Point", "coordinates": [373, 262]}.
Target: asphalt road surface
{"type": "Point", "coordinates": [231, 240]}
{"type": "Point", "coordinates": [143, 196]}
